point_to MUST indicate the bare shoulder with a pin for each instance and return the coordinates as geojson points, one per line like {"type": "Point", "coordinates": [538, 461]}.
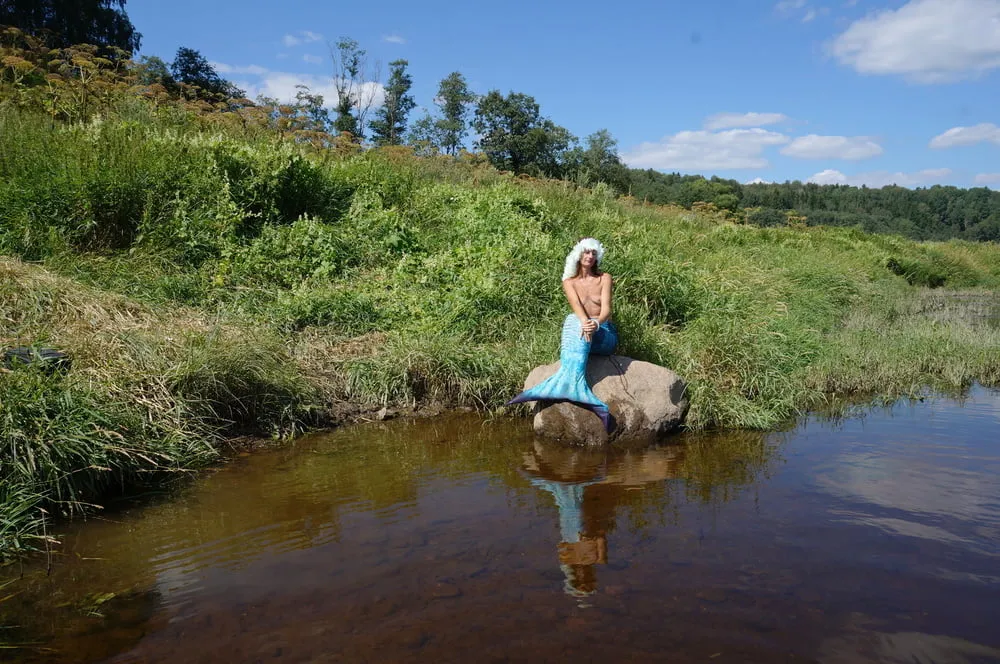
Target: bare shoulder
{"type": "Point", "coordinates": [605, 277]}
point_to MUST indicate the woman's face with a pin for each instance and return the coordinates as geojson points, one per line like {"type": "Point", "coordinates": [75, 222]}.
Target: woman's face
{"type": "Point", "coordinates": [589, 259]}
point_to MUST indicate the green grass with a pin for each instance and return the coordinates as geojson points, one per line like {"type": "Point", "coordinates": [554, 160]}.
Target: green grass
{"type": "Point", "coordinates": [209, 283]}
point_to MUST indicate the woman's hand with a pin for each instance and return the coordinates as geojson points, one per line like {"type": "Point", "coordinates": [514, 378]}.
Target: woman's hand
{"type": "Point", "coordinates": [589, 327]}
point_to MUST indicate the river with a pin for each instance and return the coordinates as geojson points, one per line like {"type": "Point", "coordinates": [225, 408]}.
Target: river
{"type": "Point", "coordinates": [869, 538]}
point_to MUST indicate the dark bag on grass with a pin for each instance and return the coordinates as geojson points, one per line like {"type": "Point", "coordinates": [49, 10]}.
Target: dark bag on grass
{"type": "Point", "coordinates": [48, 360]}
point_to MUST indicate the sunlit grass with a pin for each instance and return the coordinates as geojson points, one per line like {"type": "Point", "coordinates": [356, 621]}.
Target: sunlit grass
{"type": "Point", "coordinates": [208, 284]}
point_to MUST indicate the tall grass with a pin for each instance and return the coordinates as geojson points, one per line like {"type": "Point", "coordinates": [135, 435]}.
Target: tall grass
{"type": "Point", "coordinates": [208, 283]}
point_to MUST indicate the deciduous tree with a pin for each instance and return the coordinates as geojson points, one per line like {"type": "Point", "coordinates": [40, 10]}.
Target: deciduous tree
{"type": "Point", "coordinates": [599, 161]}
{"type": "Point", "coordinates": [355, 97]}
{"type": "Point", "coordinates": [454, 99]}
{"type": "Point", "coordinates": [514, 135]}
{"type": "Point", "coordinates": [389, 124]}
{"type": "Point", "coordinates": [424, 136]}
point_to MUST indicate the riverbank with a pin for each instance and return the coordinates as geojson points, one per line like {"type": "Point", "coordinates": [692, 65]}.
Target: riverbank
{"type": "Point", "coordinates": [210, 282]}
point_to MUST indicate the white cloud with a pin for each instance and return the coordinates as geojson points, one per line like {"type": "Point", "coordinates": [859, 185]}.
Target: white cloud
{"type": "Point", "coordinates": [223, 68]}
{"type": "Point", "coordinates": [282, 85]}
{"type": "Point", "coordinates": [985, 132]}
{"type": "Point", "coordinates": [704, 150]}
{"type": "Point", "coordinates": [832, 147]}
{"type": "Point", "coordinates": [987, 179]}
{"type": "Point", "coordinates": [758, 181]}
{"type": "Point", "coordinates": [302, 37]}
{"type": "Point", "coordinates": [731, 120]}
{"type": "Point", "coordinates": [878, 179]}
{"type": "Point", "coordinates": [789, 8]}
{"type": "Point", "coordinates": [926, 41]}
{"type": "Point", "coordinates": [394, 39]}
{"type": "Point", "coordinates": [312, 59]}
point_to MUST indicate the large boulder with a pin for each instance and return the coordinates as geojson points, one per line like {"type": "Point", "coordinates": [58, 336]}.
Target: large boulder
{"type": "Point", "coordinates": [647, 401]}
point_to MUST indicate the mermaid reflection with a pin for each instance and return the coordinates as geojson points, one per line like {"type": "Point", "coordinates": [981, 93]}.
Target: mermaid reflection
{"type": "Point", "coordinates": [588, 486]}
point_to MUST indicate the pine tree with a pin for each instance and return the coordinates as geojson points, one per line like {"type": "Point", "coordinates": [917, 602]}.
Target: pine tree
{"type": "Point", "coordinates": [65, 23]}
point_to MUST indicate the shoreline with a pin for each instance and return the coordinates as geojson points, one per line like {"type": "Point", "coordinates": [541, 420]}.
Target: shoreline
{"type": "Point", "coordinates": [854, 368]}
{"type": "Point", "coordinates": [199, 294]}
{"type": "Point", "coordinates": [232, 448]}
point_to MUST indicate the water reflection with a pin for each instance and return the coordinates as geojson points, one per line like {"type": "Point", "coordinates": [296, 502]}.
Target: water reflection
{"type": "Point", "coordinates": [589, 486]}
{"type": "Point", "coordinates": [460, 539]}
{"type": "Point", "coordinates": [943, 489]}
{"type": "Point", "coordinates": [864, 647]}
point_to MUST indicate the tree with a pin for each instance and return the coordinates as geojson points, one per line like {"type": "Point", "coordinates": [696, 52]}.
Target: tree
{"type": "Point", "coordinates": [389, 124]}
{"type": "Point", "coordinates": [191, 67]}
{"type": "Point", "coordinates": [425, 136]}
{"type": "Point", "coordinates": [454, 99]}
{"type": "Point", "coordinates": [151, 70]}
{"type": "Point", "coordinates": [64, 23]}
{"type": "Point", "coordinates": [313, 116]}
{"type": "Point", "coordinates": [345, 122]}
{"type": "Point", "coordinates": [599, 161]}
{"type": "Point", "coordinates": [355, 97]}
{"type": "Point", "coordinates": [515, 137]}
{"type": "Point", "coordinates": [306, 120]}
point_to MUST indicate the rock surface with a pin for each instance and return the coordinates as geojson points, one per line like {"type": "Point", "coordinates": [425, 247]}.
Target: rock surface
{"type": "Point", "coordinates": [647, 401]}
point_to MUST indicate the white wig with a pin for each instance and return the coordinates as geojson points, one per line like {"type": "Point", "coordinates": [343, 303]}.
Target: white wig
{"type": "Point", "coordinates": [573, 259]}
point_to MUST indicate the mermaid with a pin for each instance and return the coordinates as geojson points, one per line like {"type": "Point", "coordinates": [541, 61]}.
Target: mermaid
{"type": "Point", "coordinates": [585, 331]}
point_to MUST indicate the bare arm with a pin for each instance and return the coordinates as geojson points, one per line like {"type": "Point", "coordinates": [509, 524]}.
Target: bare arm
{"type": "Point", "coordinates": [605, 299]}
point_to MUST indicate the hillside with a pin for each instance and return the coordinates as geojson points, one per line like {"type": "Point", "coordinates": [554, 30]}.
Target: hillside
{"type": "Point", "coordinates": [210, 280]}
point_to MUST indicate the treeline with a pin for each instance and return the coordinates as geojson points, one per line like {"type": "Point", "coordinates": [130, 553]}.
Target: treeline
{"type": "Point", "coordinates": [70, 81]}
{"type": "Point", "coordinates": [933, 213]}
{"type": "Point", "coordinates": [45, 68]}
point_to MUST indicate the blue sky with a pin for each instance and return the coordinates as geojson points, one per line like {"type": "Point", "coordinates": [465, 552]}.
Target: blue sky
{"type": "Point", "coordinates": [852, 91]}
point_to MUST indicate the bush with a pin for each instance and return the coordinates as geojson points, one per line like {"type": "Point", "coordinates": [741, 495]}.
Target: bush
{"type": "Point", "coordinates": [285, 256]}
{"type": "Point", "coordinates": [278, 185]}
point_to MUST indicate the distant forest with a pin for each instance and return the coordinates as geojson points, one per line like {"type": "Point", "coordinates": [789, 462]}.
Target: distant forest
{"type": "Point", "coordinates": [45, 67]}
{"type": "Point", "coordinates": [933, 213]}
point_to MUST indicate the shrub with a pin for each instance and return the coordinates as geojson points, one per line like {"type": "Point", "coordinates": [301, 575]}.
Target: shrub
{"type": "Point", "coordinates": [285, 256]}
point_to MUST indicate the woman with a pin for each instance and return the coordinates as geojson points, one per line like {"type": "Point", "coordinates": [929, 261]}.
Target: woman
{"type": "Point", "coordinates": [587, 330]}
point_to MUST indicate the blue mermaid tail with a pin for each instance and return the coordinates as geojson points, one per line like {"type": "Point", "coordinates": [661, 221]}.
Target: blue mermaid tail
{"type": "Point", "coordinates": [569, 383]}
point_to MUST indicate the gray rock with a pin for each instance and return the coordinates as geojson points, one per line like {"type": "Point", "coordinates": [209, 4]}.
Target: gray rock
{"type": "Point", "coordinates": [647, 402]}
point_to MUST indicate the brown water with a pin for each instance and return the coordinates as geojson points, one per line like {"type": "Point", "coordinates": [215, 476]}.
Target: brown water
{"type": "Point", "coordinates": [867, 539]}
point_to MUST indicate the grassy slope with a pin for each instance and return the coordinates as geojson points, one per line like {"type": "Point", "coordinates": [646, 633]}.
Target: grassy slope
{"type": "Point", "coordinates": [206, 283]}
